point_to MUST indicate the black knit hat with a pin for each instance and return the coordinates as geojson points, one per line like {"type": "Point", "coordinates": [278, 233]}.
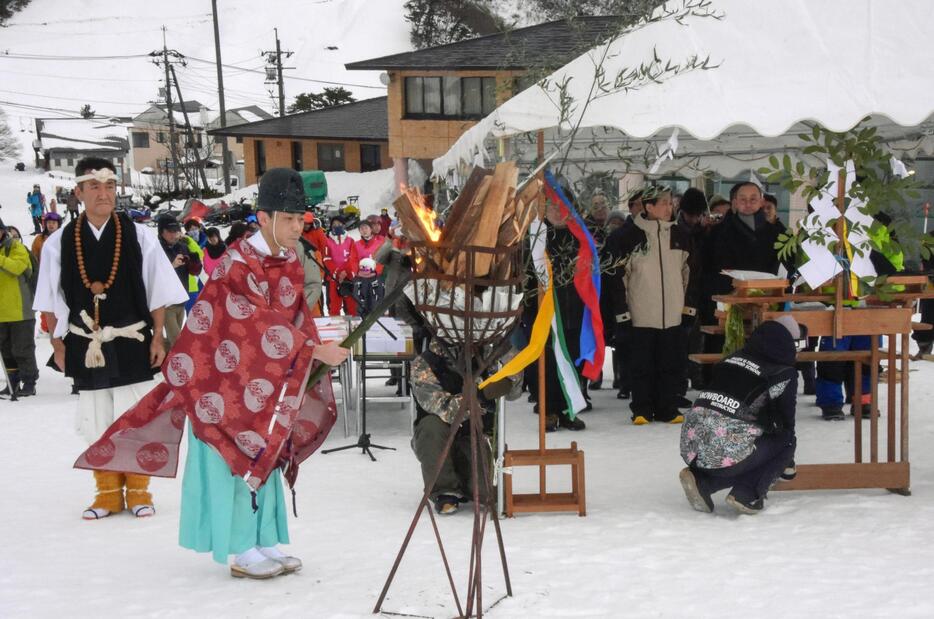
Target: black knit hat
{"type": "Point", "coordinates": [693, 202]}
{"type": "Point", "coordinates": [281, 189]}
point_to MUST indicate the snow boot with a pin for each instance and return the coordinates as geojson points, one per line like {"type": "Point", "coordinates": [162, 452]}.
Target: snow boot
{"type": "Point", "coordinates": [700, 501]}
{"type": "Point", "coordinates": [832, 413]}
{"type": "Point", "coordinates": [109, 499]}
{"type": "Point", "coordinates": [138, 498]}
{"type": "Point", "coordinates": [745, 507]}
{"type": "Point", "coordinates": [446, 504]}
{"type": "Point", "coordinates": [26, 389]}
{"type": "Point", "coordinates": [571, 424]}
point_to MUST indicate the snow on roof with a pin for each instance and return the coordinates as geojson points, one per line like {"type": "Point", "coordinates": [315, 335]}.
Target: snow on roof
{"type": "Point", "coordinates": [81, 134]}
{"type": "Point", "coordinates": [249, 116]}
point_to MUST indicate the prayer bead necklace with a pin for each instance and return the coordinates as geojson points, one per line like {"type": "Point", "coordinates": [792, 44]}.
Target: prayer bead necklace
{"type": "Point", "coordinates": [98, 289]}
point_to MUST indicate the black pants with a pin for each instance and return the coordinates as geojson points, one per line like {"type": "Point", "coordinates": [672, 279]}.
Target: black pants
{"type": "Point", "coordinates": [751, 478]}
{"type": "Point", "coordinates": [657, 360]}
{"type": "Point", "coordinates": [927, 316]}
{"type": "Point", "coordinates": [456, 476]}
{"type": "Point", "coordinates": [18, 343]}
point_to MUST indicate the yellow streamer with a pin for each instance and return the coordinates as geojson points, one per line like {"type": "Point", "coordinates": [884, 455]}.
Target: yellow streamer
{"type": "Point", "coordinates": [540, 329]}
{"type": "Point", "coordinates": [854, 280]}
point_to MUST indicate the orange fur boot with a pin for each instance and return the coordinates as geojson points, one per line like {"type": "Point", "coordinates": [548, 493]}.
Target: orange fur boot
{"type": "Point", "coordinates": [138, 498]}
{"type": "Point", "coordinates": [109, 499]}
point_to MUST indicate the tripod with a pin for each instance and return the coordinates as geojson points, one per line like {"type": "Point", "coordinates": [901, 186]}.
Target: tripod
{"type": "Point", "coordinates": [9, 383]}
{"type": "Point", "coordinates": [363, 441]}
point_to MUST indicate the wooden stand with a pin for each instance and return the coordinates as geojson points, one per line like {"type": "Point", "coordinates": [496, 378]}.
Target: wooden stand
{"type": "Point", "coordinates": [543, 501]}
{"type": "Point", "coordinates": [890, 317]}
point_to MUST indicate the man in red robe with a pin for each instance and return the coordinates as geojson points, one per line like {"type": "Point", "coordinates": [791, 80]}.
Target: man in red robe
{"type": "Point", "coordinates": [238, 372]}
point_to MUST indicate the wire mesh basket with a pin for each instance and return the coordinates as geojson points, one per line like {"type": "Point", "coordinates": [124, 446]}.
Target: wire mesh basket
{"type": "Point", "coordinates": [468, 294]}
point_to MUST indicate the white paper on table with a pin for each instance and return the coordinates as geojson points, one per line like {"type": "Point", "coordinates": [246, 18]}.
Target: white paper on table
{"type": "Point", "coordinates": [379, 340]}
{"type": "Point", "coordinates": [748, 275]}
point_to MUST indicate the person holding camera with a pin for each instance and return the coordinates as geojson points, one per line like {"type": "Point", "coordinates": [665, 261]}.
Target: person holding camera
{"type": "Point", "coordinates": [186, 263]}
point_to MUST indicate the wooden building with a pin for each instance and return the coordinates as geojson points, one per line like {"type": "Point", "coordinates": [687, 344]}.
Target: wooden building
{"type": "Point", "coordinates": [436, 94]}
{"type": "Point", "coordinates": [353, 137]}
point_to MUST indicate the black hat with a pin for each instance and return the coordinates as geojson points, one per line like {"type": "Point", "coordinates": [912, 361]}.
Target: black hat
{"type": "Point", "coordinates": [281, 189]}
{"type": "Point", "coordinates": [167, 222]}
{"type": "Point", "coordinates": [693, 202]}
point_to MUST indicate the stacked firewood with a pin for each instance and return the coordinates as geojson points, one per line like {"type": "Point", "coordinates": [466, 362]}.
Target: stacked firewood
{"type": "Point", "coordinates": [491, 211]}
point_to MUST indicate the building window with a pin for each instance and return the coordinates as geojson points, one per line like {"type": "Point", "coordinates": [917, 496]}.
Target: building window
{"type": "Point", "coordinates": [449, 97]}
{"type": "Point", "coordinates": [260, 152]}
{"type": "Point", "coordinates": [370, 157]}
{"type": "Point", "coordinates": [70, 162]}
{"type": "Point", "coordinates": [160, 137]}
{"type": "Point", "coordinates": [297, 163]}
{"type": "Point", "coordinates": [239, 140]}
{"type": "Point", "coordinates": [218, 139]}
{"type": "Point", "coordinates": [140, 140]}
{"type": "Point", "coordinates": [58, 162]}
{"type": "Point", "coordinates": [331, 157]}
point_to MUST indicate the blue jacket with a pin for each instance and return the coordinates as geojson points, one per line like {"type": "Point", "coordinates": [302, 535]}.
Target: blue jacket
{"type": "Point", "coordinates": [36, 203]}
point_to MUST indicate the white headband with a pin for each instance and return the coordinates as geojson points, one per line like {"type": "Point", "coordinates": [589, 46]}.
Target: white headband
{"type": "Point", "coordinates": [101, 176]}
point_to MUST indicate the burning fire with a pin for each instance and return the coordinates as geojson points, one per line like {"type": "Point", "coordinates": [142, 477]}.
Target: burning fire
{"type": "Point", "coordinates": [427, 218]}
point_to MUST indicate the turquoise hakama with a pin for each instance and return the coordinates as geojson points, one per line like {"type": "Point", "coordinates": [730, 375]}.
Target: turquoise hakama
{"type": "Point", "coordinates": [217, 512]}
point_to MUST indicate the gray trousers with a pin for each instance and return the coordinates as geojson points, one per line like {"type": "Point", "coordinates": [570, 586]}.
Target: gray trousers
{"type": "Point", "coordinates": [174, 319]}
{"type": "Point", "coordinates": [18, 344]}
{"type": "Point", "coordinates": [455, 479]}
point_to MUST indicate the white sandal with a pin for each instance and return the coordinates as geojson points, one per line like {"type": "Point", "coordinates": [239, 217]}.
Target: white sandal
{"type": "Point", "coordinates": [95, 513]}
{"type": "Point", "coordinates": [143, 511]}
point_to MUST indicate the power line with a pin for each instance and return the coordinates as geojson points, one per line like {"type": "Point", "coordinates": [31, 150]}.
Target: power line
{"type": "Point", "coordinates": [30, 94]}
{"type": "Point", "coordinates": [14, 56]}
{"type": "Point", "coordinates": [291, 77]}
{"type": "Point", "coordinates": [70, 77]}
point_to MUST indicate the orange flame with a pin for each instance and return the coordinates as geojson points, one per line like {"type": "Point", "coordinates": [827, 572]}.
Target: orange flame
{"type": "Point", "coordinates": [426, 216]}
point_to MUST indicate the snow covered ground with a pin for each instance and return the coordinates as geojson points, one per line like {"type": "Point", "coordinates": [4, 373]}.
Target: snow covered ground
{"type": "Point", "coordinates": [640, 552]}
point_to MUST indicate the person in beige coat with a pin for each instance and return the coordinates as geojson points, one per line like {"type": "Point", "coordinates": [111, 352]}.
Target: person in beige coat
{"type": "Point", "coordinates": [653, 289]}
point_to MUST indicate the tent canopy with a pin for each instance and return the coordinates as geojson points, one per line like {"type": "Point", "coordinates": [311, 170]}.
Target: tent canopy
{"type": "Point", "coordinates": [774, 65]}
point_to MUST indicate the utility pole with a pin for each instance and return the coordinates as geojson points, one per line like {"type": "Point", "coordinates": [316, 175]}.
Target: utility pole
{"type": "Point", "coordinates": [165, 63]}
{"type": "Point", "coordinates": [274, 60]}
{"type": "Point", "coordinates": [225, 158]}
{"type": "Point", "coordinates": [199, 162]}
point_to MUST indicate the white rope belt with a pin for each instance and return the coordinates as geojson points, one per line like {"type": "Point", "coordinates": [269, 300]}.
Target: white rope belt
{"type": "Point", "coordinates": [94, 358]}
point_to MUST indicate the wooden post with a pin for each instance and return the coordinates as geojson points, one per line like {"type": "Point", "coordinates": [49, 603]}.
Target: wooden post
{"type": "Point", "coordinates": [858, 397]}
{"type": "Point", "coordinates": [903, 456]}
{"type": "Point", "coordinates": [841, 249]}
{"type": "Point", "coordinates": [890, 395]}
{"type": "Point", "coordinates": [542, 411]}
{"type": "Point", "coordinates": [874, 399]}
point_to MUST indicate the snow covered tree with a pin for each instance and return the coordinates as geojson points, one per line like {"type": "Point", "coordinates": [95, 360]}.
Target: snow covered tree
{"type": "Point", "coordinates": [9, 7]}
{"type": "Point", "coordinates": [538, 11]}
{"type": "Point", "coordinates": [9, 144]}
{"type": "Point", "coordinates": [329, 97]}
{"type": "Point", "coordinates": [438, 22]}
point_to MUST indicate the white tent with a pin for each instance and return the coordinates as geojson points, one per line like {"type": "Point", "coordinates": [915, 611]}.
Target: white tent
{"type": "Point", "coordinates": [778, 63]}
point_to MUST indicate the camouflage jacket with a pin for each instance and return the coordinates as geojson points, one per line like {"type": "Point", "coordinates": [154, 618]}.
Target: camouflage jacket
{"type": "Point", "coordinates": [438, 388]}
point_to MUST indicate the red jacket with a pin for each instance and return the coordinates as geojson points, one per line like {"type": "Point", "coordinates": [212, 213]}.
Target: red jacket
{"type": "Point", "coordinates": [341, 256]}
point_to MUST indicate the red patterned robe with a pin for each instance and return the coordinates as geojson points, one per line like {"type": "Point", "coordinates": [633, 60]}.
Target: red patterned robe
{"type": "Point", "coordinates": [237, 372]}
